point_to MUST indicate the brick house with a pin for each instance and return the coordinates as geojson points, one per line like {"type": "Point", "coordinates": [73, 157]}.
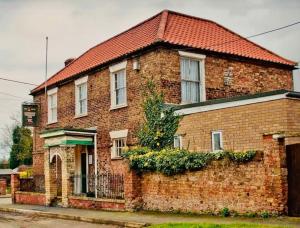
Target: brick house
{"type": "Point", "coordinates": [225, 86]}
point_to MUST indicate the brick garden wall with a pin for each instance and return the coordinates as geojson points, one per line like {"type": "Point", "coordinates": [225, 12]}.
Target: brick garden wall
{"type": "Point", "coordinates": [32, 198]}
{"type": "Point", "coordinates": [253, 187]}
{"type": "Point", "coordinates": [163, 66]}
{"type": "Point", "coordinates": [3, 186]}
{"type": "Point", "coordinates": [100, 204]}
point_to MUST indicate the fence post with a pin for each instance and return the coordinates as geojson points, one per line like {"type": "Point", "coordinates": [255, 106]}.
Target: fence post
{"type": "Point", "coordinates": [132, 189]}
{"type": "Point", "coordinates": [275, 173]}
{"type": "Point", "coordinates": [15, 186]}
{"type": "Point", "coordinates": [2, 186]}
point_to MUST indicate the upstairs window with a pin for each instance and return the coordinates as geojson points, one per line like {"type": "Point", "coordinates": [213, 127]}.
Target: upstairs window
{"type": "Point", "coordinates": [52, 105]}
{"type": "Point", "coordinates": [119, 88]}
{"type": "Point", "coordinates": [81, 107]}
{"type": "Point", "coordinates": [217, 140]}
{"type": "Point", "coordinates": [192, 78]}
{"type": "Point", "coordinates": [118, 85]}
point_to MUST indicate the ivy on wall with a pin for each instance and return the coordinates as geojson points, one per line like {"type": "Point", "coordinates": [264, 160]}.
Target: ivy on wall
{"type": "Point", "coordinates": [160, 122]}
{"type": "Point", "coordinates": [175, 161]}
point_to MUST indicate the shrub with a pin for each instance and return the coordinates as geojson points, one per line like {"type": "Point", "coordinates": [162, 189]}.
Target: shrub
{"type": "Point", "coordinates": [160, 122]}
{"type": "Point", "coordinates": [265, 214]}
{"type": "Point", "coordinates": [241, 157]}
{"type": "Point", "coordinates": [225, 212]}
{"type": "Point", "coordinates": [172, 161]}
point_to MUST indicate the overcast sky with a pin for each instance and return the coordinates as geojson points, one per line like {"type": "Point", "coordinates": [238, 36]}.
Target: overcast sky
{"type": "Point", "coordinates": [75, 26]}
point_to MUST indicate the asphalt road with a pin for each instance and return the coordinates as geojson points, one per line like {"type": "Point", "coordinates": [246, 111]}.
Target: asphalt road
{"type": "Point", "coordinates": [13, 220]}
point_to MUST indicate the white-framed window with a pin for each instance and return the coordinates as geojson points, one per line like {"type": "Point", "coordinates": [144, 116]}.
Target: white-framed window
{"type": "Point", "coordinates": [118, 142]}
{"type": "Point", "coordinates": [118, 85]}
{"type": "Point", "coordinates": [52, 105]}
{"type": "Point", "coordinates": [192, 77]}
{"type": "Point", "coordinates": [118, 146]}
{"type": "Point", "coordinates": [81, 102]}
{"type": "Point", "coordinates": [178, 141]}
{"type": "Point", "coordinates": [217, 140]}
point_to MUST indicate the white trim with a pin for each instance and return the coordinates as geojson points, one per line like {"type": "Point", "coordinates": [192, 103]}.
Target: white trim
{"type": "Point", "coordinates": [212, 139]}
{"type": "Point", "coordinates": [81, 80]}
{"type": "Point", "coordinates": [118, 66]}
{"type": "Point", "coordinates": [78, 83]}
{"type": "Point", "coordinates": [118, 134]}
{"type": "Point", "coordinates": [180, 141]}
{"type": "Point", "coordinates": [192, 55]}
{"type": "Point", "coordinates": [95, 164]}
{"type": "Point", "coordinates": [50, 94]}
{"type": "Point", "coordinates": [113, 105]}
{"type": "Point", "coordinates": [52, 91]}
{"type": "Point", "coordinates": [230, 104]}
{"type": "Point", "coordinates": [201, 61]}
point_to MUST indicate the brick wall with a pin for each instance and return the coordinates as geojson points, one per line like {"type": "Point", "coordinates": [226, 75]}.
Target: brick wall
{"type": "Point", "coordinates": [32, 198]}
{"type": "Point", "coordinates": [257, 186]}
{"type": "Point", "coordinates": [246, 77]}
{"type": "Point", "coordinates": [98, 204]}
{"type": "Point", "coordinates": [2, 186]}
{"type": "Point", "coordinates": [163, 66]}
{"type": "Point", "coordinates": [242, 127]}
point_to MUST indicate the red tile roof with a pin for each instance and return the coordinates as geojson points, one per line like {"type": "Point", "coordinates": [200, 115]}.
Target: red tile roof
{"type": "Point", "coordinates": [169, 27]}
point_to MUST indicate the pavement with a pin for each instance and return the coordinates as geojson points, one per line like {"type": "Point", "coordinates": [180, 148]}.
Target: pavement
{"type": "Point", "coordinates": [134, 219]}
{"type": "Point", "coordinates": [16, 220]}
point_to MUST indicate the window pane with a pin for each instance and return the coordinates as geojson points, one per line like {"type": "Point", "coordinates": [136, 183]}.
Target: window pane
{"type": "Point", "coordinates": [195, 93]}
{"type": "Point", "coordinates": [217, 141]}
{"type": "Point", "coordinates": [194, 70]}
{"type": "Point", "coordinates": [184, 68]}
{"type": "Point", "coordinates": [177, 142]}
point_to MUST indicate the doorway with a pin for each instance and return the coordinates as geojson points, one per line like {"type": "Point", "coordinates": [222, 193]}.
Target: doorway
{"type": "Point", "coordinates": [293, 165]}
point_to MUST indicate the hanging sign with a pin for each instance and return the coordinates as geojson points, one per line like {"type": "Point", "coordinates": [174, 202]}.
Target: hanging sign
{"type": "Point", "coordinates": [30, 115]}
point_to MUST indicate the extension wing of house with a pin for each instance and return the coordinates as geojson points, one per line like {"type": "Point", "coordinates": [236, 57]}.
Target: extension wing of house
{"type": "Point", "coordinates": [233, 94]}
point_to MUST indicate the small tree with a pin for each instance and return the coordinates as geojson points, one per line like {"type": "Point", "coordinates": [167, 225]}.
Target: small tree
{"type": "Point", "coordinates": [160, 122]}
{"type": "Point", "coordinates": [21, 149]}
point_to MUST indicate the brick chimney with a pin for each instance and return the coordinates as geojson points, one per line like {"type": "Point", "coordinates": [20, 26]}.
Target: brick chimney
{"type": "Point", "coordinates": [68, 61]}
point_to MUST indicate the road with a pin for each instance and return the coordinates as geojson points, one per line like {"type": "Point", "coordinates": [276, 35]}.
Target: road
{"type": "Point", "coordinates": [13, 220]}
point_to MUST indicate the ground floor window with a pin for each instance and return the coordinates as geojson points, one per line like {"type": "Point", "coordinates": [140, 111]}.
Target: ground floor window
{"type": "Point", "coordinates": [118, 146]}
{"type": "Point", "coordinates": [178, 141]}
{"type": "Point", "coordinates": [217, 140]}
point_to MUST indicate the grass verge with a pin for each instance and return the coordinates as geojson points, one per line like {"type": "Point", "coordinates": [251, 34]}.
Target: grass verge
{"type": "Point", "coordinates": [206, 225]}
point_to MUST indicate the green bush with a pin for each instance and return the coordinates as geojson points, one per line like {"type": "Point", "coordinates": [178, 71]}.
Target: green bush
{"type": "Point", "coordinates": [225, 212]}
{"type": "Point", "coordinates": [265, 214]}
{"type": "Point", "coordinates": [160, 121]}
{"type": "Point", "coordinates": [241, 157]}
{"type": "Point", "coordinates": [172, 161]}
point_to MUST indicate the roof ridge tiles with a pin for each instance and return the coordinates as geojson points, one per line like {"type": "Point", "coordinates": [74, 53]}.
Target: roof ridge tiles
{"type": "Point", "coordinates": [162, 25]}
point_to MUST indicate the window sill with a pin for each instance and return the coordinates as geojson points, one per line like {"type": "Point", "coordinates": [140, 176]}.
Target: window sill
{"type": "Point", "coordinates": [117, 158]}
{"type": "Point", "coordinates": [50, 123]}
{"type": "Point", "coordinates": [118, 106]}
{"type": "Point", "coordinates": [81, 115]}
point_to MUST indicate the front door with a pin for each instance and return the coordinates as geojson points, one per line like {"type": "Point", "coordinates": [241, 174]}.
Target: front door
{"type": "Point", "coordinates": [83, 173]}
{"type": "Point", "coordinates": [293, 164]}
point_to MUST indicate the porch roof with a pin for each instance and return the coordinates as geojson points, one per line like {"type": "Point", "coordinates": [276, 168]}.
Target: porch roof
{"type": "Point", "coordinates": [68, 136]}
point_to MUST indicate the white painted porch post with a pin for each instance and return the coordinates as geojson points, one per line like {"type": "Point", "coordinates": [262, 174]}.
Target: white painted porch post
{"type": "Point", "coordinates": [96, 163]}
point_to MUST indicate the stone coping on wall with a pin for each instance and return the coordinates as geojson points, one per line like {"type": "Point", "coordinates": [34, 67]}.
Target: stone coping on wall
{"type": "Point", "coordinates": [97, 199]}
{"type": "Point", "coordinates": [30, 193]}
